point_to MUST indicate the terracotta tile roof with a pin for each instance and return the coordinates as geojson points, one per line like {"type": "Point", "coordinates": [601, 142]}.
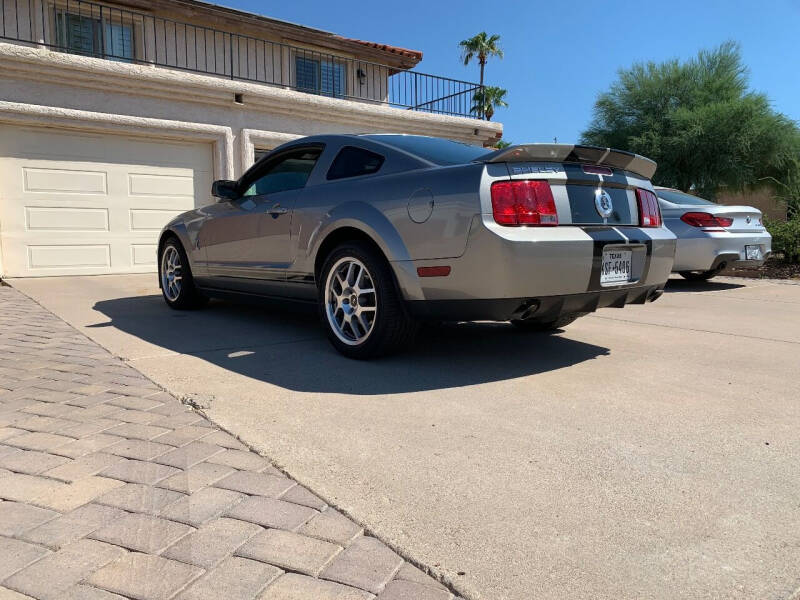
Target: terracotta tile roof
{"type": "Point", "coordinates": [415, 55]}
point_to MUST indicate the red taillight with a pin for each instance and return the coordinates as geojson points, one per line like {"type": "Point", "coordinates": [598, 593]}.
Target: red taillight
{"type": "Point", "coordinates": [706, 220]}
{"type": "Point", "coordinates": [524, 202]}
{"type": "Point", "coordinates": [724, 221]}
{"type": "Point", "coordinates": [649, 213]}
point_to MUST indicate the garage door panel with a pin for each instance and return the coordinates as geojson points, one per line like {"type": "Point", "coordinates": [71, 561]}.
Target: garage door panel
{"type": "Point", "coordinates": [161, 185]}
{"type": "Point", "coordinates": [69, 256]}
{"type": "Point", "coordinates": [143, 255]}
{"type": "Point", "coordinates": [82, 204]}
{"type": "Point", "coordinates": [64, 181]}
{"type": "Point", "coordinates": [147, 219]}
{"type": "Point", "coordinates": [52, 218]}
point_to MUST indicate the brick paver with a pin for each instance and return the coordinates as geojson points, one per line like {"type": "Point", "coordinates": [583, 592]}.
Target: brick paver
{"type": "Point", "coordinates": [15, 517]}
{"type": "Point", "coordinates": [367, 564]}
{"type": "Point", "coordinates": [290, 551]}
{"type": "Point", "coordinates": [234, 578]}
{"type": "Point", "coordinates": [143, 533]}
{"type": "Point", "coordinates": [110, 488]}
{"type": "Point", "coordinates": [213, 542]}
{"type": "Point", "coordinates": [145, 577]}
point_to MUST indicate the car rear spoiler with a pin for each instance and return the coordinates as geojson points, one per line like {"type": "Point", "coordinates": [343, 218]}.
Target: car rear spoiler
{"type": "Point", "coordinates": [593, 155]}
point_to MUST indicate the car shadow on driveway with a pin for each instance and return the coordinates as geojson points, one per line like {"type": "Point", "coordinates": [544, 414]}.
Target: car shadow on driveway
{"type": "Point", "coordinates": [684, 285]}
{"type": "Point", "coordinates": [289, 349]}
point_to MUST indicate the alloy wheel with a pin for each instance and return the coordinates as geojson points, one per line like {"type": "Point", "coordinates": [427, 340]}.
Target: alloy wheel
{"type": "Point", "coordinates": [171, 273]}
{"type": "Point", "coordinates": [351, 304]}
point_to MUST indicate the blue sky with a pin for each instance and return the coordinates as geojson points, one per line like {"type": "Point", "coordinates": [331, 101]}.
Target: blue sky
{"type": "Point", "coordinates": [559, 55]}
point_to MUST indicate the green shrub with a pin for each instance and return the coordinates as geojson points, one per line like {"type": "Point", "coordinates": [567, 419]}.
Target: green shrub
{"type": "Point", "coordinates": [785, 238]}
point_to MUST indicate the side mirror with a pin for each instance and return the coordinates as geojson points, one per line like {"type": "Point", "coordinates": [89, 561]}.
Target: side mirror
{"type": "Point", "coordinates": [225, 189]}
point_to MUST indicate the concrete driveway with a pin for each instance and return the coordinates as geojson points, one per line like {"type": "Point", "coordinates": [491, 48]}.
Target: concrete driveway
{"type": "Point", "coordinates": [650, 452]}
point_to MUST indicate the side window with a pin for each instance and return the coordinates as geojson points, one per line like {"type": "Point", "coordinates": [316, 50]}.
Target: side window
{"type": "Point", "coordinates": [288, 172]}
{"type": "Point", "coordinates": [352, 162]}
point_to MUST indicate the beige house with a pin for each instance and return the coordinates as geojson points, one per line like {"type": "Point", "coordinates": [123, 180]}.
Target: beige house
{"type": "Point", "coordinates": [114, 117]}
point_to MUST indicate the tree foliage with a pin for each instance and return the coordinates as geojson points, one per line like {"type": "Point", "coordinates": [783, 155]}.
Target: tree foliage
{"type": "Point", "coordinates": [481, 46]}
{"type": "Point", "coordinates": [699, 121]}
{"type": "Point", "coordinates": [486, 99]}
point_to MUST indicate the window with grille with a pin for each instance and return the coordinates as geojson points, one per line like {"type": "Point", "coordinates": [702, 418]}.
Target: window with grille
{"type": "Point", "coordinates": [325, 77]}
{"type": "Point", "coordinates": [93, 36]}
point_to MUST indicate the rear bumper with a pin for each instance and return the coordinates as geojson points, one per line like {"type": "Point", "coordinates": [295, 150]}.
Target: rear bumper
{"type": "Point", "coordinates": [545, 309]}
{"type": "Point", "coordinates": [708, 251]}
{"type": "Point", "coordinates": [509, 263]}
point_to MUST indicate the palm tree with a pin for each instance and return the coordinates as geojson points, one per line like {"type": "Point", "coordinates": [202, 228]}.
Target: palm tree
{"type": "Point", "coordinates": [485, 100]}
{"type": "Point", "coordinates": [483, 46]}
{"type": "Point", "coordinates": [500, 144]}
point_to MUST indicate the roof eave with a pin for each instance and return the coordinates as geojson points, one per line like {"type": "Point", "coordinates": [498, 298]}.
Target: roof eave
{"type": "Point", "coordinates": [393, 56]}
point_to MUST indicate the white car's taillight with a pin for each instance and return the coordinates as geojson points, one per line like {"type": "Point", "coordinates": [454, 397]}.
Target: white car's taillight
{"type": "Point", "coordinates": [706, 221]}
{"type": "Point", "coordinates": [523, 202]}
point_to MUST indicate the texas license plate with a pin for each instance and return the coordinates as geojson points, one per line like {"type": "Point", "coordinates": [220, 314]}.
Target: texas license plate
{"type": "Point", "coordinates": [753, 252]}
{"type": "Point", "coordinates": [616, 267]}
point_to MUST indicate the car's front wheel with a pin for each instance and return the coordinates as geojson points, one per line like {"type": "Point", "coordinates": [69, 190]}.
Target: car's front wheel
{"type": "Point", "coordinates": [699, 275]}
{"type": "Point", "coordinates": [175, 275]}
{"type": "Point", "coordinates": [360, 306]}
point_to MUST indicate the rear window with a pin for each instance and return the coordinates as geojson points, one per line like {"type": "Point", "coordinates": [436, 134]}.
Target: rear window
{"type": "Point", "coordinates": [352, 162]}
{"type": "Point", "coordinates": [677, 197]}
{"type": "Point", "coordinates": [435, 150]}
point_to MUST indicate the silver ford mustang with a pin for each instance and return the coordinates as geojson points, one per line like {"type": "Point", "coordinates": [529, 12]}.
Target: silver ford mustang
{"type": "Point", "coordinates": [712, 236]}
{"type": "Point", "coordinates": [384, 231]}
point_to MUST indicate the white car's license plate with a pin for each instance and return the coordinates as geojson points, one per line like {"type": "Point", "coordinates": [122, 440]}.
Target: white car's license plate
{"type": "Point", "coordinates": [616, 267]}
{"type": "Point", "coordinates": [753, 252]}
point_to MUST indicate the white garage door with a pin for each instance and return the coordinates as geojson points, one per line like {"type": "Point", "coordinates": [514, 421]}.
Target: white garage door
{"type": "Point", "coordinates": [77, 204]}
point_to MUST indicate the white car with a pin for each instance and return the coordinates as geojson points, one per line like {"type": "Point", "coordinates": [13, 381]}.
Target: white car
{"type": "Point", "coordinates": [712, 236]}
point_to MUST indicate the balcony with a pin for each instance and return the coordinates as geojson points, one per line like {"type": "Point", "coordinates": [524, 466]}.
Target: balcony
{"type": "Point", "coordinates": [101, 31]}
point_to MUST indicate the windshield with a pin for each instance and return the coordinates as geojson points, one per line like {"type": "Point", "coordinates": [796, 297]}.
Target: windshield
{"type": "Point", "coordinates": [435, 150]}
{"type": "Point", "coordinates": [677, 197]}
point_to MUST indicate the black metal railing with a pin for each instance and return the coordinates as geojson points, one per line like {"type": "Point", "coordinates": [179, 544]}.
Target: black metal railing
{"type": "Point", "coordinates": [98, 30]}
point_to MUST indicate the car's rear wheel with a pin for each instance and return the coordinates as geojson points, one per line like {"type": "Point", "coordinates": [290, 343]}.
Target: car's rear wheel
{"type": "Point", "coordinates": [175, 275]}
{"type": "Point", "coordinates": [360, 306]}
{"type": "Point", "coordinates": [699, 275]}
{"type": "Point", "coordinates": [533, 325]}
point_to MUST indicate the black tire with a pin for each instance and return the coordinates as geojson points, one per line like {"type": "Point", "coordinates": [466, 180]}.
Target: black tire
{"type": "Point", "coordinates": [391, 329]}
{"type": "Point", "coordinates": [188, 297]}
{"type": "Point", "coordinates": [561, 322]}
{"type": "Point", "coordinates": [698, 275]}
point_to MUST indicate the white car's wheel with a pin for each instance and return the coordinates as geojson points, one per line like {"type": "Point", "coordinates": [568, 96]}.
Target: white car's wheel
{"type": "Point", "coordinates": [360, 306]}
{"type": "Point", "coordinates": [699, 275]}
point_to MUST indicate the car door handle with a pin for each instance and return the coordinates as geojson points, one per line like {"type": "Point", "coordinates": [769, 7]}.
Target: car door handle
{"type": "Point", "coordinates": [277, 210]}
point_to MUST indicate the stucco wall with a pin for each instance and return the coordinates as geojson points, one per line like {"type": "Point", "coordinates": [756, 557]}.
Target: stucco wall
{"type": "Point", "coordinates": [55, 83]}
{"type": "Point", "coordinates": [193, 43]}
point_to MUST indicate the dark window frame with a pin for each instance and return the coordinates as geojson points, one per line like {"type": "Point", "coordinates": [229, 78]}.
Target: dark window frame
{"type": "Point", "coordinates": [333, 85]}
{"type": "Point", "coordinates": [100, 32]}
{"type": "Point", "coordinates": [259, 169]}
{"type": "Point", "coordinates": [328, 176]}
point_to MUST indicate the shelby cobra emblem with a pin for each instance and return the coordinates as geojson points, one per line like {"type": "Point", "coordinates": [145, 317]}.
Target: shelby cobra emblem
{"type": "Point", "coordinates": [603, 203]}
